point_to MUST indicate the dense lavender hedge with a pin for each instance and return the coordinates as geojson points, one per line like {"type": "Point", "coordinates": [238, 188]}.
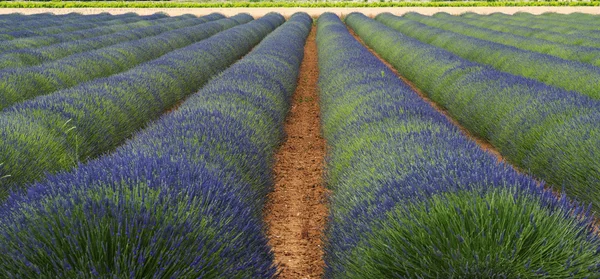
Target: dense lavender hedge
{"type": "Point", "coordinates": [548, 132]}
{"type": "Point", "coordinates": [80, 23]}
{"type": "Point", "coordinates": [543, 22]}
{"type": "Point", "coordinates": [21, 84]}
{"type": "Point", "coordinates": [566, 74]}
{"type": "Point", "coordinates": [590, 55]}
{"type": "Point", "coordinates": [183, 198]}
{"type": "Point", "coordinates": [412, 197]}
{"type": "Point", "coordinates": [576, 17]}
{"type": "Point", "coordinates": [508, 26]}
{"type": "Point", "coordinates": [18, 18]}
{"type": "Point", "coordinates": [40, 41]}
{"type": "Point", "coordinates": [56, 131]}
{"type": "Point", "coordinates": [20, 22]}
{"type": "Point", "coordinates": [135, 31]}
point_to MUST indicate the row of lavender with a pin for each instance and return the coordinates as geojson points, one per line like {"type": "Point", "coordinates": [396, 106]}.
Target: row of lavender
{"type": "Point", "coordinates": [547, 132]}
{"type": "Point", "coordinates": [56, 131]}
{"type": "Point", "coordinates": [19, 84]}
{"type": "Point", "coordinates": [480, 45]}
{"type": "Point", "coordinates": [55, 25]}
{"type": "Point", "coordinates": [575, 23]}
{"type": "Point", "coordinates": [184, 197]}
{"type": "Point", "coordinates": [45, 49]}
{"type": "Point", "coordinates": [412, 196]}
{"type": "Point", "coordinates": [586, 54]}
{"type": "Point", "coordinates": [70, 34]}
{"type": "Point", "coordinates": [565, 34]}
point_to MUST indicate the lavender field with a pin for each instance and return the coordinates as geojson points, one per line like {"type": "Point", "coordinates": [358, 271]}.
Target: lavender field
{"type": "Point", "coordinates": [149, 146]}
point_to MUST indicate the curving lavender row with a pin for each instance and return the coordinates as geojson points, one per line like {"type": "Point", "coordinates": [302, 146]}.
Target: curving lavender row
{"type": "Point", "coordinates": [20, 84]}
{"type": "Point", "coordinates": [532, 30]}
{"type": "Point", "coordinates": [547, 132]}
{"type": "Point", "coordinates": [184, 197]}
{"type": "Point", "coordinates": [412, 197]}
{"type": "Point", "coordinates": [561, 25]}
{"type": "Point", "coordinates": [566, 74]}
{"type": "Point", "coordinates": [589, 55]}
{"type": "Point", "coordinates": [19, 19]}
{"type": "Point", "coordinates": [55, 132]}
{"type": "Point", "coordinates": [42, 28]}
{"type": "Point", "coordinates": [128, 32]}
{"type": "Point", "coordinates": [19, 22]}
{"type": "Point", "coordinates": [77, 34]}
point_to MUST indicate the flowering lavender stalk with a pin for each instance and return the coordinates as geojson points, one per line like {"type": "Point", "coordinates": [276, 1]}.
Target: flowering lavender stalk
{"type": "Point", "coordinates": [184, 197]}
{"type": "Point", "coordinates": [412, 197]}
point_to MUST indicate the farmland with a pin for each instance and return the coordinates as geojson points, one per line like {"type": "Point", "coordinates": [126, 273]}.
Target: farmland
{"type": "Point", "coordinates": [241, 146]}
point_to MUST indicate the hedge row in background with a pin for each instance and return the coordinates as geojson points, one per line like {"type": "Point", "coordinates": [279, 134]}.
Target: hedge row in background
{"type": "Point", "coordinates": [56, 131]}
{"type": "Point", "coordinates": [19, 84]}
{"type": "Point", "coordinates": [414, 198]}
{"type": "Point", "coordinates": [83, 22]}
{"type": "Point", "coordinates": [548, 132]}
{"type": "Point", "coordinates": [566, 74]}
{"type": "Point", "coordinates": [35, 56]}
{"type": "Point", "coordinates": [183, 198]}
{"type": "Point", "coordinates": [259, 4]}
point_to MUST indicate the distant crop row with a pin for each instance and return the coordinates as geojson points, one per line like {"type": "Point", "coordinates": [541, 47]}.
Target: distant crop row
{"type": "Point", "coordinates": [576, 23]}
{"type": "Point", "coordinates": [19, 84]}
{"type": "Point", "coordinates": [39, 28]}
{"type": "Point", "coordinates": [546, 131]}
{"type": "Point", "coordinates": [184, 197]}
{"type": "Point", "coordinates": [566, 34]}
{"type": "Point", "coordinates": [586, 54]}
{"type": "Point", "coordinates": [68, 35]}
{"type": "Point", "coordinates": [412, 196]}
{"type": "Point", "coordinates": [56, 131]}
{"type": "Point", "coordinates": [567, 74]}
{"type": "Point", "coordinates": [31, 56]}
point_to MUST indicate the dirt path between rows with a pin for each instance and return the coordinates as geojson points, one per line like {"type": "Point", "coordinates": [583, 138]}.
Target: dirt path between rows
{"type": "Point", "coordinates": [296, 211]}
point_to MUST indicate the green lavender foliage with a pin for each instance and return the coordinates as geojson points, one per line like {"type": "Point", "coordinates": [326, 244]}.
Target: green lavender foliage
{"type": "Point", "coordinates": [103, 37]}
{"type": "Point", "coordinates": [590, 55]}
{"type": "Point", "coordinates": [569, 75]}
{"type": "Point", "coordinates": [20, 84]}
{"type": "Point", "coordinates": [566, 35]}
{"type": "Point", "coordinates": [412, 197]}
{"type": "Point", "coordinates": [545, 131]}
{"type": "Point", "coordinates": [57, 131]}
{"type": "Point", "coordinates": [184, 197]}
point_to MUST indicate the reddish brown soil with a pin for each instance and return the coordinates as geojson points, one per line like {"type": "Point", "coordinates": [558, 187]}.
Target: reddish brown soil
{"type": "Point", "coordinates": [296, 212]}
